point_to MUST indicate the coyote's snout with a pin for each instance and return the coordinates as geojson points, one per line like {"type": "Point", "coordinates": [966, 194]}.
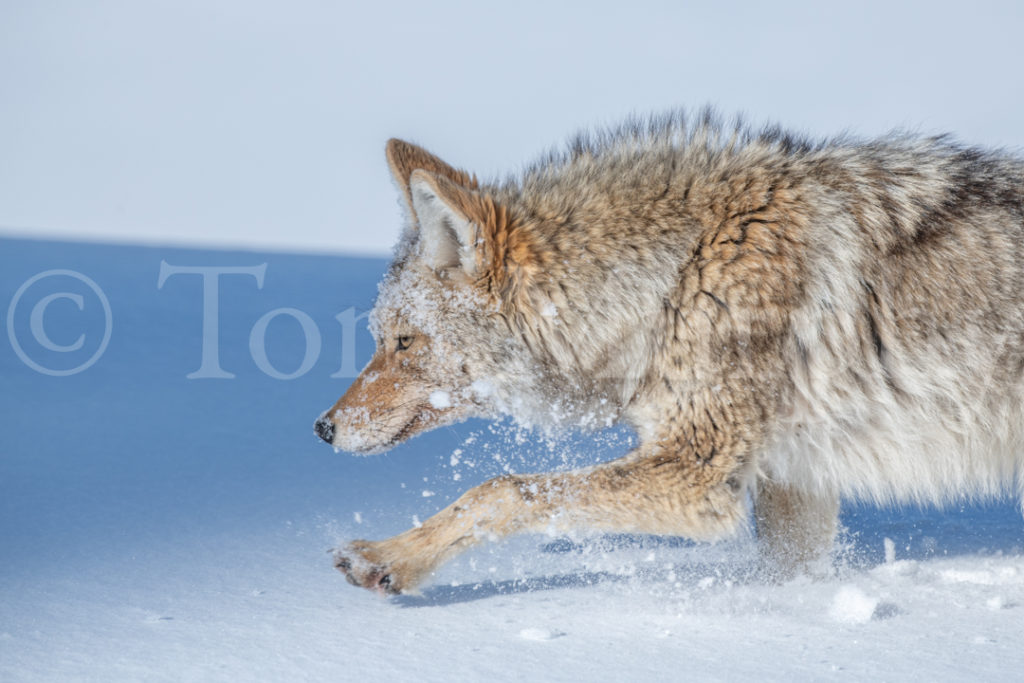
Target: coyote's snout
{"type": "Point", "coordinates": [775, 317]}
{"type": "Point", "coordinates": [406, 388]}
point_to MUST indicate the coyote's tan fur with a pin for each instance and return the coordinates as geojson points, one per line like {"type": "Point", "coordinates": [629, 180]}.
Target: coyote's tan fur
{"type": "Point", "coordinates": [794, 320]}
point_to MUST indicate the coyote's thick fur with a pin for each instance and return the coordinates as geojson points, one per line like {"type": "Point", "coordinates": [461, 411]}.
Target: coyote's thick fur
{"type": "Point", "coordinates": [795, 320]}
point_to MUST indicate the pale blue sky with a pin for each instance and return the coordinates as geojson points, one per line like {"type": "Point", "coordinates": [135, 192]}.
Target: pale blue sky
{"type": "Point", "coordinates": [263, 124]}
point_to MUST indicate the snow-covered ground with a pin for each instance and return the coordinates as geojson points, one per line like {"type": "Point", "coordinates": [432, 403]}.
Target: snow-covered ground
{"type": "Point", "coordinates": [154, 526]}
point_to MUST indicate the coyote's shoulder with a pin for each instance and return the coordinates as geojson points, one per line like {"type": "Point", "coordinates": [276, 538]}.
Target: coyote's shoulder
{"type": "Point", "coordinates": [798, 319]}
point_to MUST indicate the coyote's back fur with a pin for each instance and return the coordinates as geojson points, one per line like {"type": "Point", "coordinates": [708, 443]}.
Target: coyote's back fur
{"type": "Point", "coordinates": [798, 320]}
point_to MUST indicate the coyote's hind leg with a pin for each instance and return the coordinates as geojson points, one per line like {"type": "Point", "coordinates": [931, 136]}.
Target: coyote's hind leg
{"type": "Point", "coordinates": [795, 529]}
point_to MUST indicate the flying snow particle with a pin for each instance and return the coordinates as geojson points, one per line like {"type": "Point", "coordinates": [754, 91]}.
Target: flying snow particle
{"type": "Point", "coordinates": [483, 388]}
{"type": "Point", "coordinates": [440, 399]}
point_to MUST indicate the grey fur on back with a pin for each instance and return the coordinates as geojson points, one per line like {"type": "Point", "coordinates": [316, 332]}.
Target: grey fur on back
{"type": "Point", "coordinates": [904, 342]}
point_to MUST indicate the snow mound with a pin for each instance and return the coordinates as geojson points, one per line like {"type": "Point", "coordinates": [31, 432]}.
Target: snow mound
{"type": "Point", "coordinates": [851, 605]}
{"type": "Point", "coordinates": [538, 634]}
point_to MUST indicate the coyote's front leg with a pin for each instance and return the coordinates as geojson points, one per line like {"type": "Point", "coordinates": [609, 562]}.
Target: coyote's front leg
{"type": "Point", "coordinates": [690, 484]}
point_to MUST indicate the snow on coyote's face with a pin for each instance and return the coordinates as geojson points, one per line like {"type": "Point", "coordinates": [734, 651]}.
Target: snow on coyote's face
{"type": "Point", "coordinates": [437, 321]}
{"type": "Point", "coordinates": [419, 377]}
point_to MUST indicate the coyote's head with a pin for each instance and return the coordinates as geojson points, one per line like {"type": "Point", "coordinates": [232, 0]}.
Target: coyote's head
{"type": "Point", "coordinates": [441, 318]}
{"type": "Point", "coordinates": [511, 299]}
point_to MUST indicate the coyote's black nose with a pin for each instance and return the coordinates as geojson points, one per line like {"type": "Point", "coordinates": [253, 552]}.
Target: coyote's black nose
{"type": "Point", "coordinates": [324, 428]}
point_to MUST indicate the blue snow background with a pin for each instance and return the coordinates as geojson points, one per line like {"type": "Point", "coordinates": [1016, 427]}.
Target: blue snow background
{"type": "Point", "coordinates": [130, 458]}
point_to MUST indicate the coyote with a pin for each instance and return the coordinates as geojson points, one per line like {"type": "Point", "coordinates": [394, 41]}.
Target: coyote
{"type": "Point", "coordinates": [779, 320]}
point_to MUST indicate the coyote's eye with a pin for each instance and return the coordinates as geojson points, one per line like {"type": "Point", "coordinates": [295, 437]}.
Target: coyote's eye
{"type": "Point", "coordinates": [404, 343]}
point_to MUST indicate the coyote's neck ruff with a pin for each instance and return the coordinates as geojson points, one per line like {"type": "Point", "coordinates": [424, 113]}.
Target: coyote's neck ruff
{"type": "Point", "coordinates": [796, 320]}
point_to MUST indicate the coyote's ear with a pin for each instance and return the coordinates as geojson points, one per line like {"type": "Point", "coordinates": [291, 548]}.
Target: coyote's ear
{"type": "Point", "coordinates": [468, 230]}
{"type": "Point", "coordinates": [449, 233]}
{"type": "Point", "coordinates": [404, 158]}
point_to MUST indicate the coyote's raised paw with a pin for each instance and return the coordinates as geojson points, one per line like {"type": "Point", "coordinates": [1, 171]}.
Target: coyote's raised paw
{"type": "Point", "coordinates": [364, 565]}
